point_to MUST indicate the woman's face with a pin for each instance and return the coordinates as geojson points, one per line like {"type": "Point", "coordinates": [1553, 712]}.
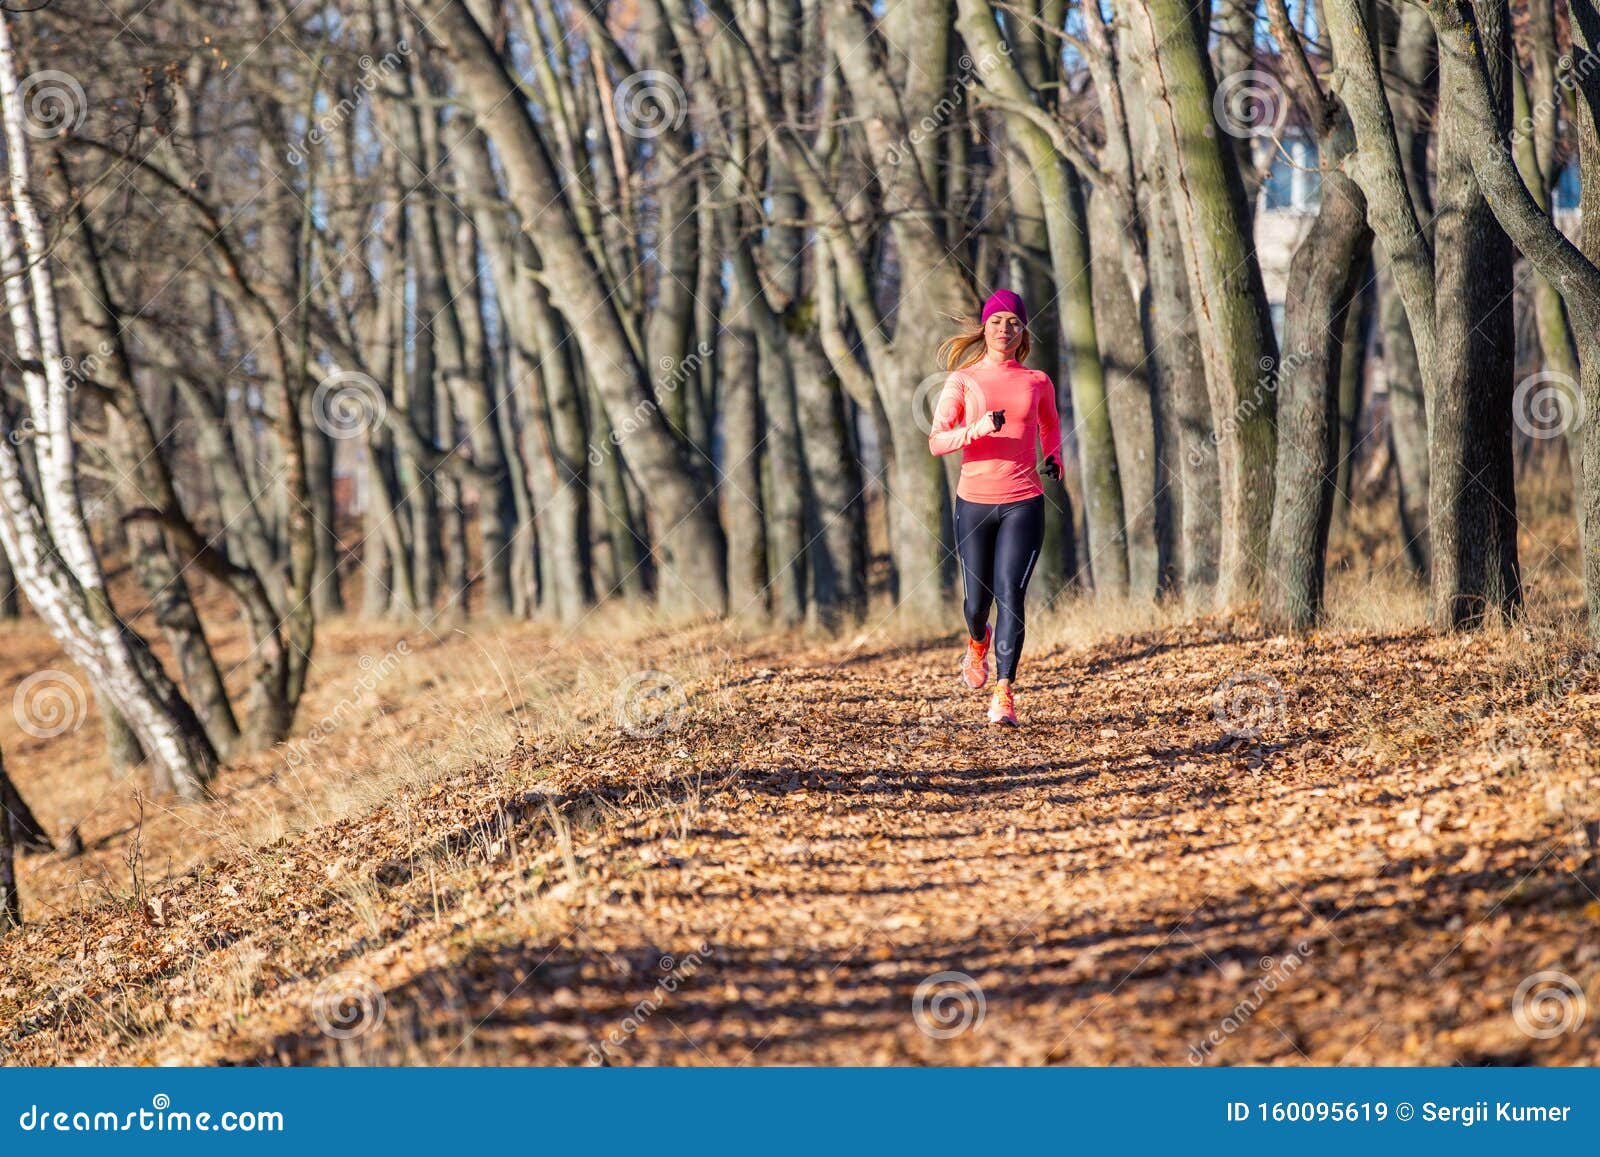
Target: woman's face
{"type": "Point", "coordinates": [1002, 333]}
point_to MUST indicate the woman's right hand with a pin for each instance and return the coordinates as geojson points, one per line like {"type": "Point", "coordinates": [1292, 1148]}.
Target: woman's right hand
{"type": "Point", "coordinates": [992, 421]}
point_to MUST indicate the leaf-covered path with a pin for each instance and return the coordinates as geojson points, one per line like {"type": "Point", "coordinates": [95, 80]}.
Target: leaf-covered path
{"type": "Point", "coordinates": [1199, 848]}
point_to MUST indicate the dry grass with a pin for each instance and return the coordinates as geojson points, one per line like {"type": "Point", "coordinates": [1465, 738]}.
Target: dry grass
{"type": "Point", "coordinates": [386, 721]}
{"type": "Point", "coordinates": [385, 711]}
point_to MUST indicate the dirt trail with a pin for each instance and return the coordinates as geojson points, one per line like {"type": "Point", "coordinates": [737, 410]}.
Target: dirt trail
{"type": "Point", "coordinates": [1355, 853]}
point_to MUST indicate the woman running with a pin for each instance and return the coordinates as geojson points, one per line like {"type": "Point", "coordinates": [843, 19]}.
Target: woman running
{"type": "Point", "coordinates": [994, 410]}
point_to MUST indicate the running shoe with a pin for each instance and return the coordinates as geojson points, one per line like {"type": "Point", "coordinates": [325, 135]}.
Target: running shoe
{"type": "Point", "coordinates": [975, 664]}
{"type": "Point", "coordinates": [1001, 709]}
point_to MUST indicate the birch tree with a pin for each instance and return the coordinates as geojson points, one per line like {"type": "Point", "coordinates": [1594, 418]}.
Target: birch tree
{"type": "Point", "coordinates": [44, 534]}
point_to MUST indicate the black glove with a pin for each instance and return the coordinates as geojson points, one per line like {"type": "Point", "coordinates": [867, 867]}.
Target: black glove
{"type": "Point", "coordinates": [999, 417]}
{"type": "Point", "coordinates": [1051, 468]}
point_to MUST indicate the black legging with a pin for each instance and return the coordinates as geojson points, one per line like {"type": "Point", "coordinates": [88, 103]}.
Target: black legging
{"type": "Point", "coordinates": [998, 544]}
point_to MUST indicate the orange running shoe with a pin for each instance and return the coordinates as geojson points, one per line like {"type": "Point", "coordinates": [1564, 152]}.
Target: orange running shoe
{"type": "Point", "coordinates": [975, 664]}
{"type": "Point", "coordinates": [1001, 709]}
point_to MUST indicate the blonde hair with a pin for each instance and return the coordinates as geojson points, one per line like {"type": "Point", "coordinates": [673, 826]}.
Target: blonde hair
{"type": "Point", "coordinates": [967, 345]}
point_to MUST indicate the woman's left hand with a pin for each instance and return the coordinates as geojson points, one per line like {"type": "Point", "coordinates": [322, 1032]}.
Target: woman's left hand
{"type": "Point", "coordinates": [1051, 468]}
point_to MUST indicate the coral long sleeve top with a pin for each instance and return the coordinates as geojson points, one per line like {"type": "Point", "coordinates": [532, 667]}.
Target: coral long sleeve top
{"type": "Point", "coordinates": [1001, 466]}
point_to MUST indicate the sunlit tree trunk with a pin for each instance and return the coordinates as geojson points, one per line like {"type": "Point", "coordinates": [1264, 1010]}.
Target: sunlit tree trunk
{"type": "Point", "coordinates": [1322, 283]}
{"type": "Point", "coordinates": [1235, 327]}
{"type": "Point", "coordinates": [1472, 515]}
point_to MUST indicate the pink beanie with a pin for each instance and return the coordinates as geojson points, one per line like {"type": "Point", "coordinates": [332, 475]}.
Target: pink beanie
{"type": "Point", "coordinates": [1004, 301]}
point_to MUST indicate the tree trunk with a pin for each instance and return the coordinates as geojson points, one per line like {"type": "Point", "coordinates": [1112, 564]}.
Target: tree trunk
{"type": "Point", "coordinates": [1408, 426]}
{"type": "Point", "coordinates": [1472, 498]}
{"type": "Point", "coordinates": [1323, 278]}
{"type": "Point", "coordinates": [453, 524]}
{"type": "Point", "coordinates": [740, 469]}
{"type": "Point", "coordinates": [632, 575]}
{"type": "Point", "coordinates": [122, 745]}
{"type": "Point", "coordinates": [835, 527]}
{"type": "Point", "coordinates": [471, 389]}
{"type": "Point", "coordinates": [563, 437]}
{"type": "Point", "coordinates": [1391, 170]}
{"type": "Point", "coordinates": [10, 593]}
{"type": "Point", "coordinates": [1171, 335]}
{"type": "Point", "coordinates": [1535, 153]}
{"type": "Point", "coordinates": [1235, 325]}
{"type": "Point", "coordinates": [780, 468]}
{"type": "Point", "coordinates": [1233, 36]}
{"type": "Point", "coordinates": [145, 478]}
{"type": "Point", "coordinates": [326, 594]}
{"type": "Point", "coordinates": [419, 485]}
{"type": "Point", "coordinates": [1586, 39]}
{"type": "Point", "coordinates": [1104, 506]}
{"type": "Point", "coordinates": [25, 831]}
{"type": "Point", "coordinates": [783, 472]}
{"type": "Point", "coordinates": [10, 902]}
{"type": "Point", "coordinates": [1353, 377]}
{"type": "Point", "coordinates": [1128, 398]}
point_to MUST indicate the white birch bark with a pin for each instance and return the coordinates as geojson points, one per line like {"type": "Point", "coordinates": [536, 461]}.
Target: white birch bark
{"type": "Point", "coordinates": [50, 548]}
